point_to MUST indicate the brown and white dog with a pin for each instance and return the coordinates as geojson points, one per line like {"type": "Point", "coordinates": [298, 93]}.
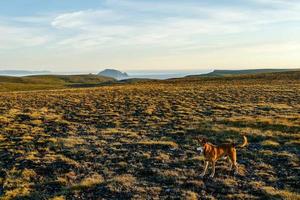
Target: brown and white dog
{"type": "Point", "coordinates": [212, 153]}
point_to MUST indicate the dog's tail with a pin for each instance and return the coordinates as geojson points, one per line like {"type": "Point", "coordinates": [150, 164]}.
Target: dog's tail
{"type": "Point", "coordinates": [245, 142]}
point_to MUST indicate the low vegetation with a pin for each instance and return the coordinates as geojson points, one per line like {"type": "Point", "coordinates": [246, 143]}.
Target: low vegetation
{"type": "Point", "coordinates": [138, 140]}
{"type": "Point", "coordinates": [48, 82]}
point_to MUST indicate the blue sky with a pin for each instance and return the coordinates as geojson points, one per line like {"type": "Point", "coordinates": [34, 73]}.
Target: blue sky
{"type": "Point", "coordinates": [76, 35]}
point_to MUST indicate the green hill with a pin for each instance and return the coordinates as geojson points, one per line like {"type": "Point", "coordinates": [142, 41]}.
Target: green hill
{"type": "Point", "coordinates": [216, 73]}
{"type": "Point", "coordinates": [259, 77]}
{"type": "Point", "coordinates": [44, 82]}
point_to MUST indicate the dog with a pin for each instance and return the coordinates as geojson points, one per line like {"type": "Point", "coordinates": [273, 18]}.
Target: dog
{"type": "Point", "coordinates": [212, 153]}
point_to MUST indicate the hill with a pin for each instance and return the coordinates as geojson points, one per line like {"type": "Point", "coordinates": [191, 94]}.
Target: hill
{"type": "Point", "coordinates": [44, 82]}
{"type": "Point", "coordinates": [242, 72]}
{"type": "Point", "coordinates": [286, 76]}
{"type": "Point", "coordinates": [114, 74]}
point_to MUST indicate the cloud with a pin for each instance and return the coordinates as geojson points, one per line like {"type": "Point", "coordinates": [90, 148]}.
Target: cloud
{"type": "Point", "coordinates": [18, 37]}
{"type": "Point", "coordinates": [161, 24]}
{"type": "Point", "coordinates": [165, 25]}
{"type": "Point", "coordinates": [83, 19]}
{"type": "Point", "coordinates": [94, 27]}
{"type": "Point", "coordinates": [285, 3]}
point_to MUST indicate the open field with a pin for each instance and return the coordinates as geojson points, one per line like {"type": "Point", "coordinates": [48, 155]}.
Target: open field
{"type": "Point", "coordinates": [138, 141]}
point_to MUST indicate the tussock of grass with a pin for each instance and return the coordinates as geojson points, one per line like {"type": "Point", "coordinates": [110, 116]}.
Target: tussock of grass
{"type": "Point", "coordinates": [266, 152]}
{"type": "Point", "coordinates": [230, 182]}
{"type": "Point", "coordinates": [293, 143]}
{"type": "Point", "coordinates": [270, 143]}
{"type": "Point", "coordinates": [58, 198]}
{"type": "Point", "coordinates": [124, 182]}
{"type": "Point", "coordinates": [71, 141]}
{"type": "Point", "coordinates": [189, 195]}
{"type": "Point", "coordinates": [120, 132]}
{"type": "Point", "coordinates": [159, 143]}
{"type": "Point", "coordinates": [89, 181]}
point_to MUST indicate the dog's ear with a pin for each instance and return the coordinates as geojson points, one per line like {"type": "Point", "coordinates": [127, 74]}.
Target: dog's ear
{"type": "Point", "coordinates": [204, 140]}
{"type": "Point", "coordinates": [199, 139]}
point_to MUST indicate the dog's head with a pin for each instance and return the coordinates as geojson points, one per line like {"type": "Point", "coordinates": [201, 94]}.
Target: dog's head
{"type": "Point", "coordinates": [200, 149]}
{"type": "Point", "coordinates": [202, 141]}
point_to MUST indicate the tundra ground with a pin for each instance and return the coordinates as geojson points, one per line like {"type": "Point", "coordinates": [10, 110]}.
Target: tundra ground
{"type": "Point", "coordinates": [138, 141]}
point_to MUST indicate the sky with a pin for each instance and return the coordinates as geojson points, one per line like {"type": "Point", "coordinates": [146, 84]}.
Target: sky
{"type": "Point", "coordinates": [90, 35]}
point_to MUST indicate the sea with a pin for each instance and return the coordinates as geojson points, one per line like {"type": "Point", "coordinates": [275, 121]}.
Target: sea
{"type": "Point", "coordinates": [143, 74]}
{"type": "Point", "coordinates": [165, 74]}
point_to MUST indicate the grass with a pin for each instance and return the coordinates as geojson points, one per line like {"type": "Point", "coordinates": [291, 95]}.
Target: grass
{"type": "Point", "coordinates": [138, 140]}
{"type": "Point", "coordinates": [280, 194]}
{"type": "Point", "coordinates": [270, 143]}
{"type": "Point", "coordinates": [157, 144]}
{"type": "Point", "coordinates": [88, 182]}
{"type": "Point", "coordinates": [50, 82]}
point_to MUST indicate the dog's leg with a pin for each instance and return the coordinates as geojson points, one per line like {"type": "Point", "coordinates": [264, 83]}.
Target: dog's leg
{"type": "Point", "coordinates": [236, 168]}
{"type": "Point", "coordinates": [230, 163]}
{"type": "Point", "coordinates": [213, 169]}
{"type": "Point", "coordinates": [234, 162]}
{"type": "Point", "coordinates": [205, 169]}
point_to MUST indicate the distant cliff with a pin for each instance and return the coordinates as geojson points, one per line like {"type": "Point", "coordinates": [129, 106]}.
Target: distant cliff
{"type": "Point", "coordinates": [114, 74]}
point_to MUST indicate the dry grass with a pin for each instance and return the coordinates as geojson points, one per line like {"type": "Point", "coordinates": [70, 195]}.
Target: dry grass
{"type": "Point", "coordinates": [136, 141]}
{"type": "Point", "coordinates": [270, 143]}
{"type": "Point", "coordinates": [89, 181]}
{"type": "Point", "coordinates": [158, 144]}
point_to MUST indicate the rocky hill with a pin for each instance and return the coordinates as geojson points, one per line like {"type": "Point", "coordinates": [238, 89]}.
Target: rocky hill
{"type": "Point", "coordinates": [114, 74]}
